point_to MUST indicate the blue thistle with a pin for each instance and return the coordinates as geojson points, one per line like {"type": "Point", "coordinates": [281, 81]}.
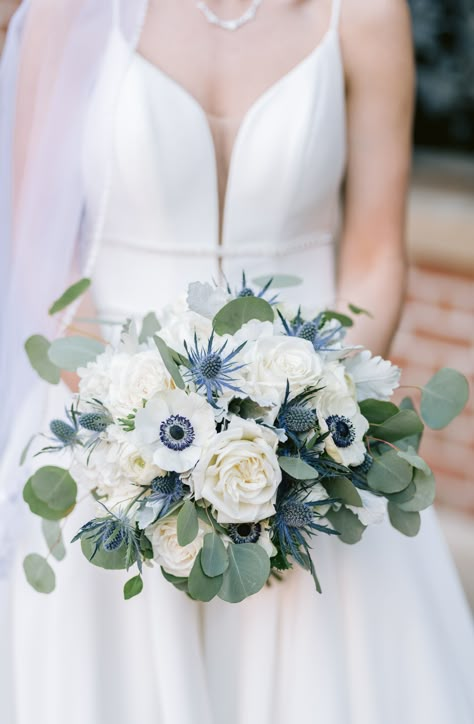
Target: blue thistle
{"type": "Point", "coordinates": [247, 291]}
{"type": "Point", "coordinates": [65, 434]}
{"type": "Point", "coordinates": [312, 330]}
{"type": "Point", "coordinates": [297, 416]}
{"type": "Point", "coordinates": [110, 533]}
{"type": "Point", "coordinates": [359, 472]}
{"type": "Point", "coordinates": [63, 431]}
{"type": "Point", "coordinates": [211, 369]}
{"type": "Point", "coordinates": [95, 421]}
{"type": "Point", "coordinates": [168, 490]}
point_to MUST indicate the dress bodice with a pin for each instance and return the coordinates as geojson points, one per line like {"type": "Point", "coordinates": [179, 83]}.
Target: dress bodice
{"type": "Point", "coordinates": [161, 225]}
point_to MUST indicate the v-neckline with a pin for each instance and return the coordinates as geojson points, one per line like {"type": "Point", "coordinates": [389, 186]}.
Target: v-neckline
{"type": "Point", "coordinates": [244, 121]}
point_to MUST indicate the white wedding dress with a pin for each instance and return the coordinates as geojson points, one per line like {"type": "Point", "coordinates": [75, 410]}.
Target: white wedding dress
{"type": "Point", "coordinates": [390, 639]}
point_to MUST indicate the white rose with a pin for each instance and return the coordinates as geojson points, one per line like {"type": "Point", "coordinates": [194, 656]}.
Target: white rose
{"type": "Point", "coordinates": [271, 361]}
{"type": "Point", "coordinates": [239, 474]}
{"type": "Point", "coordinates": [182, 326]}
{"type": "Point", "coordinates": [136, 378]}
{"type": "Point", "coordinates": [94, 378]}
{"type": "Point", "coordinates": [175, 559]}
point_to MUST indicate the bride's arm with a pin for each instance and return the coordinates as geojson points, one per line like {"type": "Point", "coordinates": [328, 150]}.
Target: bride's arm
{"type": "Point", "coordinates": [378, 57]}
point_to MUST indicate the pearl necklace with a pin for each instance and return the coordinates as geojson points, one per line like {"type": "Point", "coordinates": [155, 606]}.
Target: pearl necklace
{"type": "Point", "coordinates": [234, 24]}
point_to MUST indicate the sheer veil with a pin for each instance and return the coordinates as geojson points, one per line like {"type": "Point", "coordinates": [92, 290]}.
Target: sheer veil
{"type": "Point", "coordinates": [50, 64]}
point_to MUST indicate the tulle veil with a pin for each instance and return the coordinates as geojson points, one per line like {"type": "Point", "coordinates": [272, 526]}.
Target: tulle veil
{"type": "Point", "coordinates": [50, 63]}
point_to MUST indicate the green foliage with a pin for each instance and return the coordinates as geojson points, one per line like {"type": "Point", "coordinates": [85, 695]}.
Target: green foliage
{"type": "Point", "coordinates": [412, 440]}
{"type": "Point", "coordinates": [169, 362]}
{"type": "Point", "coordinates": [343, 489]}
{"type": "Point", "coordinates": [187, 523]}
{"type": "Point", "coordinates": [389, 473]}
{"type": "Point", "coordinates": [70, 353]}
{"type": "Point", "coordinates": [347, 524]}
{"type": "Point", "coordinates": [359, 310]}
{"type": "Point", "coordinates": [180, 583]}
{"type": "Point", "coordinates": [201, 586]}
{"type": "Point", "coordinates": [53, 537]}
{"type": "Point", "coordinates": [150, 326]}
{"type": "Point", "coordinates": [39, 573]}
{"type": "Point", "coordinates": [37, 349]}
{"type": "Point", "coordinates": [133, 587]}
{"type": "Point", "coordinates": [38, 507]}
{"type": "Point", "coordinates": [115, 560]}
{"type": "Point", "coordinates": [214, 558]}
{"type": "Point", "coordinates": [54, 487]}
{"type": "Point", "coordinates": [70, 295]}
{"type": "Point", "coordinates": [405, 423]}
{"type": "Point", "coordinates": [412, 457]}
{"type": "Point", "coordinates": [26, 449]}
{"type": "Point", "coordinates": [237, 312]}
{"type": "Point", "coordinates": [278, 281]}
{"type": "Point", "coordinates": [247, 572]}
{"type": "Point", "coordinates": [425, 491]}
{"type": "Point", "coordinates": [443, 398]}
{"type": "Point", "coordinates": [377, 411]}
{"type": "Point", "coordinates": [297, 468]}
{"type": "Point", "coordinates": [343, 319]}
{"type": "Point", "coordinates": [404, 495]}
{"type": "Point", "coordinates": [406, 523]}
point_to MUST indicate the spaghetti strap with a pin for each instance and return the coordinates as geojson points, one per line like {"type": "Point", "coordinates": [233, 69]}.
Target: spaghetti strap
{"type": "Point", "coordinates": [335, 14]}
{"type": "Point", "coordinates": [116, 13]}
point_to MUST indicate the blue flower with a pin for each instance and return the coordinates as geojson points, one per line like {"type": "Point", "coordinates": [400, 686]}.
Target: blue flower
{"type": "Point", "coordinates": [314, 330]}
{"type": "Point", "coordinates": [166, 491]}
{"type": "Point", "coordinates": [246, 291]}
{"type": "Point", "coordinates": [212, 369]}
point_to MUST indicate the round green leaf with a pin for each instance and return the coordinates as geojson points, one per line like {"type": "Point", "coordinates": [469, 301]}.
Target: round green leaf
{"type": "Point", "coordinates": [133, 587]}
{"type": "Point", "coordinates": [343, 319]}
{"type": "Point", "coordinates": [69, 353]}
{"type": "Point", "coordinates": [237, 312]}
{"type": "Point", "coordinates": [200, 586]}
{"type": "Point", "coordinates": [37, 349]}
{"type": "Point", "coordinates": [54, 539]}
{"type": "Point", "coordinates": [278, 281]}
{"type": "Point", "coordinates": [187, 523]}
{"type": "Point", "coordinates": [404, 424]}
{"type": "Point", "coordinates": [406, 523]}
{"type": "Point", "coordinates": [38, 507]}
{"type": "Point", "coordinates": [214, 559]}
{"type": "Point", "coordinates": [39, 573]}
{"type": "Point", "coordinates": [389, 473]}
{"type": "Point", "coordinates": [342, 488]}
{"type": "Point", "coordinates": [247, 572]}
{"type": "Point", "coordinates": [412, 457]}
{"type": "Point", "coordinates": [297, 468]}
{"type": "Point", "coordinates": [443, 398]}
{"type": "Point", "coordinates": [70, 295]}
{"type": "Point", "coordinates": [347, 524]}
{"type": "Point", "coordinates": [377, 411]}
{"type": "Point", "coordinates": [425, 491]}
{"type": "Point", "coordinates": [110, 560]}
{"type": "Point", "coordinates": [180, 583]}
{"type": "Point", "coordinates": [55, 487]}
{"type": "Point", "coordinates": [404, 495]}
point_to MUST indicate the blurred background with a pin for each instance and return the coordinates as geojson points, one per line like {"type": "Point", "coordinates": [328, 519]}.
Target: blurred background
{"type": "Point", "coordinates": [437, 328]}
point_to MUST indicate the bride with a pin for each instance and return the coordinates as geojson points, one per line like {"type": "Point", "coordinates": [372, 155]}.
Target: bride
{"type": "Point", "coordinates": [148, 144]}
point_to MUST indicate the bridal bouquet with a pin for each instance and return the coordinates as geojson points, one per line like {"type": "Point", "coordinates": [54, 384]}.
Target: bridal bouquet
{"type": "Point", "coordinates": [223, 437]}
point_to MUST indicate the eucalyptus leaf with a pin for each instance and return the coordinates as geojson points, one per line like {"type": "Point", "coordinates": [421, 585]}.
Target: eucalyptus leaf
{"type": "Point", "coordinates": [39, 573]}
{"type": "Point", "coordinates": [187, 523]}
{"type": "Point", "coordinates": [359, 310]}
{"type": "Point", "coordinates": [133, 587]}
{"type": "Point", "coordinates": [347, 524]}
{"type": "Point", "coordinates": [115, 560]}
{"type": "Point", "coordinates": [70, 295]}
{"type": "Point", "coordinates": [278, 281]}
{"type": "Point", "coordinates": [247, 572]}
{"type": "Point", "coordinates": [406, 523]}
{"type": "Point", "coordinates": [237, 312]}
{"type": "Point", "coordinates": [53, 536]}
{"type": "Point", "coordinates": [38, 507]}
{"type": "Point", "coordinates": [413, 440]}
{"type": "Point", "coordinates": [70, 353]}
{"type": "Point", "coordinates": [150, 326]}
{"type": "Point", "coordinates": [201, 586]}
{"type": "Point", "coordinates": [37, 349]}
{"type": "Point", "coordinates": [343, 319]}
{"type": "Point", "coordinates": [214, 558]}
{"type": "Point", "coordinates": [178, 582]}
{"type": "Point", "coordinates": [424, 496]}
{"type": "Point", "coordinates": [412, 457]}
{"type": "Point", "coordinates": [26, 449]}
{"type": "Point", "coordinates": [55, 487]}
{"type": "Point", "coordinates": [377, 411]}
{"type": "Point", "coordinates": [404, 495]}
{"type": "Point", "coordinates": [389, 473]}
{"type": "Point", "coordinates": [170, 364]}
{"type": "Point", "coordinates": [405, 423]}
{"type": "Point", "coordinates": [342, 488]}
{"type": "Point", "coordinates": [443, 398]}
{"type": "Point", "coordinates": [297, 468]}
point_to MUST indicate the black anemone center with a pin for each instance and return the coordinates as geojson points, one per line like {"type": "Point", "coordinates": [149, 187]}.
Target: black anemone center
{"type": "Point", "coordinates": [176, 432]}
{"type": "Point", "coordinates": [341, 429]}
{"type": "Point", "coordinates": [244, 532]}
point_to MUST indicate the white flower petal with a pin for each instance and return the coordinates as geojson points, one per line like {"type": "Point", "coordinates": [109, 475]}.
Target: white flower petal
{"type": "Point", "coordinates": [374, 377]}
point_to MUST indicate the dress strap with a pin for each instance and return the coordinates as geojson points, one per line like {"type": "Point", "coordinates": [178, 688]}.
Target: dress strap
{"type": "Point", "coordinates": [335, 14]}
{"type": "Point", "coordinates": [116, 13]}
